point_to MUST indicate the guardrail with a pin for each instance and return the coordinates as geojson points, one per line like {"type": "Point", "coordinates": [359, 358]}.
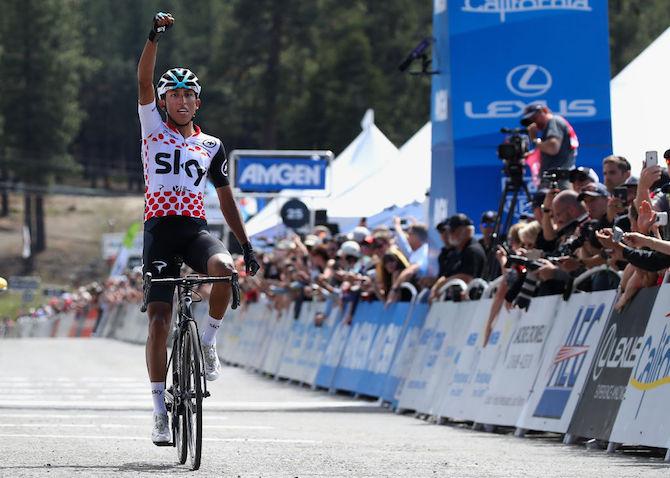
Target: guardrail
{"type": "Point", "coordinates": [576, 367]}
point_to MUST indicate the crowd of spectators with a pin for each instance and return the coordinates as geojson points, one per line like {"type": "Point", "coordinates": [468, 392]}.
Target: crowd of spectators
{"type": "Point", "coordinates": [577, 233]}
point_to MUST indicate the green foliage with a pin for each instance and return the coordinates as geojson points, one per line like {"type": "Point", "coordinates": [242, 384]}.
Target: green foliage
{"type": "Point", "coordinates": [43, 56]}
{"type": "Point", "coordinates": [275, 73]}
{"type": "Point", "coordinates": [633, 26]}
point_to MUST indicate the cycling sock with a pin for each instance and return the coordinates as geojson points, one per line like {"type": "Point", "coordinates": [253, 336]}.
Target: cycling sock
{"type": "Point", "coordinates": [158, 396]}
{"type": "Point", "coordinates": [209, 335]}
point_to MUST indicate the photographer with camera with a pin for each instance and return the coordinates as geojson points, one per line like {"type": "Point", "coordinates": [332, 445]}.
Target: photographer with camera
{"type": "Point", "coordinates": [553, 136]}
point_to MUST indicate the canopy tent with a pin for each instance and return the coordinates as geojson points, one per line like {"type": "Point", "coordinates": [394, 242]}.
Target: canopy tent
{"type": "Point", "coordinates": [640, 101]}
{"type": "Point", "coordinates": [365, 157]}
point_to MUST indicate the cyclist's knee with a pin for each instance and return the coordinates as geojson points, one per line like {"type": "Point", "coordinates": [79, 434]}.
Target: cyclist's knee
{"type": "Point", "coordinates": [220, 265]}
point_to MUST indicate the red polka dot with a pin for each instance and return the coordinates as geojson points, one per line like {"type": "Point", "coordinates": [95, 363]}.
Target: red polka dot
{"type": "Point", "coordinates": [161, 199]}
{"type": "Point", "coordinates": [150, 135]}
{"type": "Point", "coordinates": [156, 194]}
{"type": "Point", "coordinates": [186, 200]}
{"type": "Point", "coordinates": [173, 199]}
{"type": "Point", "coordinates": [191, 195]}
{"type": "Point", "coordinates": [159, 213]}
{"type": "Point", "coordinates": [154, 139]}
{"type": "Point", "coordinates": [167, 206]}
{"type": "Point", "coordinates": [191, 207]}
{"type": "Point", "coordinates": [172, 213]}
{"type": "Point", "coordinates": [151, 201]}
{"type": "Point", "coordinates": [160, 136]}
{"type": "Point", "coordinates": [145, 141]}
{"type": "Point", "coordinates": [191, 149]}
{"type": "Point", "coordinates": [155, 206]}
{"type": "Point", "coordinates": [172, 141]}
{"type": "Point", "coordinates": [186, 213]}
{"type": "Point", "coordinates": [168, 193]}
{"type": "Point", "coordinates": [198, 148]}
{"type": "Point", "coordinates": [165, 142]}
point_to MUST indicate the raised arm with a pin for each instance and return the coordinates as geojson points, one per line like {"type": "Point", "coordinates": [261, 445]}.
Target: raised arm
{"type": "Point", "coordinates": [147, 64]}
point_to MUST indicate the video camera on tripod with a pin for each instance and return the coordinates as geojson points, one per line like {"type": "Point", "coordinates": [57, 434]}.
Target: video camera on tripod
{"type": "Point", "coordinates": [513, 151]}
{"type": "Point", "coordinates": [553, 177]}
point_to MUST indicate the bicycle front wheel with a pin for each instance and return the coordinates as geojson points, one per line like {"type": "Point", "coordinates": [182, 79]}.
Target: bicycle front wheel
{"type": "Point", "coordinates": [192, 378]}
{"type": "Point", "coordinates": [179, 420]}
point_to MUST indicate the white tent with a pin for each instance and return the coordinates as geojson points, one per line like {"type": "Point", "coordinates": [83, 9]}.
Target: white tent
{"type": "Point", "coordinates": [368, 155]}
{"type": "Point", "coordinates": [640, 102]}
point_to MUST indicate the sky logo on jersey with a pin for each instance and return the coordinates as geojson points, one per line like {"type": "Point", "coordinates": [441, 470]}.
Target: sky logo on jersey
{"type": "Point", "coordinates": [568, 363]}
{"type": "Point", "coordinates": [254, 174]}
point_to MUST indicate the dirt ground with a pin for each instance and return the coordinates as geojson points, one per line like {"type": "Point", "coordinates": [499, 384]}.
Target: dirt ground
{"type": "Point", "coordinates": [74, 228]}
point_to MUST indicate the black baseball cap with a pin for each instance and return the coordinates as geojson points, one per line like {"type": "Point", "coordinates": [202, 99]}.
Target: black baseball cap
{"type": "Point", "coordinates": [593, 190]}
{"type": "Point", "coordinates": [489, 217]}
{"type": "Point", "coordinates": [529, 111]}
{"type": "Point", "coordinates": [458, 220]}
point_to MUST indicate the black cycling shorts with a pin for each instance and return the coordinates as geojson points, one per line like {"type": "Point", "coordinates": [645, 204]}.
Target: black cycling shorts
{"type": "Point", "coordinates": [167, 238]}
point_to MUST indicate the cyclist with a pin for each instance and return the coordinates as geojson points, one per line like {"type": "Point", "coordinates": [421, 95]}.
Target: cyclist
{"type": "Point", "coordinates": [177, 155]}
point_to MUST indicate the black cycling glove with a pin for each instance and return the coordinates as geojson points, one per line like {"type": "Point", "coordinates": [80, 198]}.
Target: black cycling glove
{"type": "Point", "coordinates": [156, 31]}
{"type": "Point", "coordinates": [250, 262]}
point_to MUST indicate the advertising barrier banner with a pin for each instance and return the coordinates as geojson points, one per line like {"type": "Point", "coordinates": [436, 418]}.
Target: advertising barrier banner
{"type": "Point", "coordinates": [392, 321]}
{"type": "Point", "coordinates": [317, 340]}
{"type": "Point", "coordinates": [514, 375]}
{"type": "Point", "coordinates": [366, 321]}
{"type": "Point", "coordinates": [618, 353]}
{"type": "Point", "coordinates": [568, 355]}
{"type": "Point", "coordinates": [642, 418]}
{"type": "Point", "coordinates": [468, 350]}
{"type": "Point", "coordinates": [333, 353]}
{"type": "Point", "coordinates": [404, 354]}
{"type": "Point", "coordinates": [437, 365]}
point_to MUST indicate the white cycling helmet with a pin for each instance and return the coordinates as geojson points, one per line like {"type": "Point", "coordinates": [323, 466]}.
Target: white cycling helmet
{"type": "Point", "coordinates": [178, 78]}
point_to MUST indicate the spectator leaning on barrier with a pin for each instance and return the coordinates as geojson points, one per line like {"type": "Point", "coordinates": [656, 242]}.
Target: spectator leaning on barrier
{"type": "Point", "coordinates": [616, 169]}
{"type": "Point", "coordinates": [552, 135]}
{"type": "Point", "coordinates": [465, 259]}
{"type": "Point", "coordinates": [414, 245]}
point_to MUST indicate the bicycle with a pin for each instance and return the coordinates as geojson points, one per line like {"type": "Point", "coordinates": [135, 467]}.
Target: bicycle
{"type": "Point", "coordinates": [184, 397]}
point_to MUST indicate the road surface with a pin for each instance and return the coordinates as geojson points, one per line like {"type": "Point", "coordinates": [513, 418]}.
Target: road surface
{"type": "Point", "coordinates": [82, 407]}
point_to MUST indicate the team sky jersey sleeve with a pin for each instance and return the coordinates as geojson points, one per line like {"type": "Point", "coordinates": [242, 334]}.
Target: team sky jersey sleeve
{"type": "Point", "coordinates": [150, 118]}
{"type": "Point", "coordinates": [218, 169]}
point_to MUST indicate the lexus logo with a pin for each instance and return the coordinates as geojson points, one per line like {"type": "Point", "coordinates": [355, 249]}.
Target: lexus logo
{"type": "Point", "coordinates": [529, 80]}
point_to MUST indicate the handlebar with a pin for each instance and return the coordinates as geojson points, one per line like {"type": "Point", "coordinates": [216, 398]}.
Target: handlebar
{"type": "Point", "coordinates": [190, 281]}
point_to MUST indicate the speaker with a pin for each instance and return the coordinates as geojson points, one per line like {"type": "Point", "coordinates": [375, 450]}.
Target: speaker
{"type": "Point", "coordinates": [321, 217]}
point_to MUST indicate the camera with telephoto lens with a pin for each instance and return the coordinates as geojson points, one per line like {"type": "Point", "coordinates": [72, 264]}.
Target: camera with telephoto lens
{"type": "Point", "coordinates": [513, 151]}
{"type": "Point", "coordinates": [530, 280]}
{"type": "Point", "coordinates": [553, 177]}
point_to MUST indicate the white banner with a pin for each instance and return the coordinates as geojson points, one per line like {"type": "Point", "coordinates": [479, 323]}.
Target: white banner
{"type": "Point", "coordinates": [280, 336]}
{"type": "Point", "coordinates": [515, 373]}
{"type": "Point", "coordinates": [643, 417]}
{"type": "Point", "coordinates": [570, 349]}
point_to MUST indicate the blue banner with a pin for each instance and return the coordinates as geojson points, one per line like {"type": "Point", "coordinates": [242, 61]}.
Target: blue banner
{"type": "Point", "coordinates": [494, 57]}
{"type": "Point", "coordinates": [273, 174]}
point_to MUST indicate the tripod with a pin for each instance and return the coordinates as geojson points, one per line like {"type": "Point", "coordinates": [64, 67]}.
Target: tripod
{"type": "Point", "coordinates": [513, 184]}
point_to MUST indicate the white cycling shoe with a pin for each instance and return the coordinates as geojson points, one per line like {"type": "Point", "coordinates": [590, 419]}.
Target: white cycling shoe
{"type": "Point", "coordinates": [160, 434]}
{"type": "Point", "coordinates": [212, 364]}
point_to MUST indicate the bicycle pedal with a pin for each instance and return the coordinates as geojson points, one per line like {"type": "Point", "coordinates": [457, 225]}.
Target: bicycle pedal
{"type": "Point", "coordinates": [206, 394]}
{"type": "Point", "coordinates": [163, 443]}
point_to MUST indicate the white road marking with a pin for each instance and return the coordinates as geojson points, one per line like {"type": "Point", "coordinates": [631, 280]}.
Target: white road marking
{"type": "Point", "coordinates": [46, 416]}
{"type": "Point", "coordinates": [146, 405]}
{"type": "Point", "coordinates": [33, 425]}
{"type": "Point", "coordinates": [100, 437]}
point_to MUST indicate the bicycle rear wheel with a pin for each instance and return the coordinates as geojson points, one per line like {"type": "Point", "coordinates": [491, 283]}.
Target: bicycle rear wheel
{"type": "Point", "coordinates": [192, 379]}
{"type": "Point", "coordinates": [180, 425]}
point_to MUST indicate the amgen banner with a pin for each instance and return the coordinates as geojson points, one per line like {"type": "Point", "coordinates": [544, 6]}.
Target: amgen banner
{"type": "Point", "coordinates": [493, 57]}
{"type": "Point", "coordinates": [271, 172]}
